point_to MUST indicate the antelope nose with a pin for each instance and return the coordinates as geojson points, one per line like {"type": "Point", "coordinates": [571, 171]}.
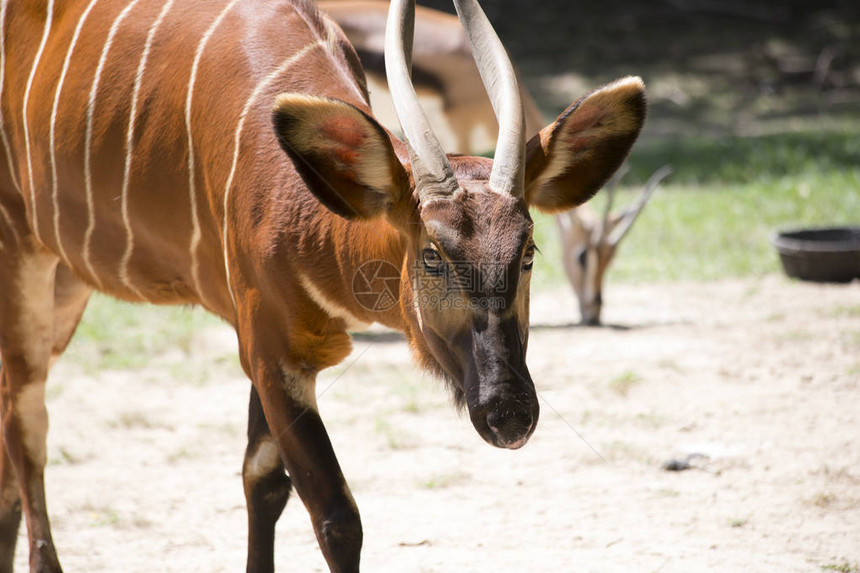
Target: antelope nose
{"type": "Point", "coordinates": [511, 428]}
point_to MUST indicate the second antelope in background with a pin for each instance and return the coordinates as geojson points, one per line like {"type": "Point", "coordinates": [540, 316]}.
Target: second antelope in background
{"type": "Point", "coordinates": [589, 243]}
{"type": "Point", "coordinates": [449, 85]}
{"type": "Point", "coordinates": [444, 74]}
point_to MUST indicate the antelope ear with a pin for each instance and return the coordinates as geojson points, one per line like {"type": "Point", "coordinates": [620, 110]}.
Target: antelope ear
{"type": "Point", "coordinates": [342, 154]}
{"type": "Point", "coordinates": [571, 159]}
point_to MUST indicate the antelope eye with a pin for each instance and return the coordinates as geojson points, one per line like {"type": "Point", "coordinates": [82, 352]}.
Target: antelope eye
{"type": "Point", "coordinates": [529, 258]}
{"type": "Point", "coordinates": [433, 262]}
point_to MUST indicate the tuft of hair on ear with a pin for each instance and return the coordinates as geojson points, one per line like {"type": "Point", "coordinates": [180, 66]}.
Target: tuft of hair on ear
{"type": "Point", "coordinates": [571, 159]}
{"type": "Point", "coordinates": [342, 154]}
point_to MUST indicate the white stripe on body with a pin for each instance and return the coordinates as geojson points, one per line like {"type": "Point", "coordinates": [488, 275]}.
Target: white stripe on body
{"type": "Point", "coordinates": [331, 38]}
{"type": "Point", "coordinates": [45, 33]}
{"type": "Point", "coordinates": [3, 5]}
{"type": "Point", "coordinates": [91, 107]}
{"type": "Point", "coordinates": [3, 212]}
{"type": "Point", "coordinates": [196, 234]}
{"type": "Point", "coordinates": [285, 65]}
{"type": "Point", "coordinates": [129, 150]}
{"type": "Point", "coordinates": [332, 308]}
{"type": "Point", "coordinates": [54, 108]}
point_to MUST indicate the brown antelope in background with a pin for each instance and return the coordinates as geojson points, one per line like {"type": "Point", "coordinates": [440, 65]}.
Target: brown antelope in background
{"type": "Point", "coordinates": [443, 69]}
{"type": "Point", "coordinates": [223, 154]}
{"type": "Point", "coordinates": [444, 74]}
{"type": "Point", "coordinates": [589, 243]}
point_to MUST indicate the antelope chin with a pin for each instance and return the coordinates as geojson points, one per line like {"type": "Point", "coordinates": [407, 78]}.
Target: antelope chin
{"type": "Point", "coordinates": [515, 445]}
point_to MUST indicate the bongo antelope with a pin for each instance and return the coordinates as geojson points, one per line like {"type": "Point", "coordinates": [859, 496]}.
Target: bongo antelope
{"type": "Point", "coordinates": [223, 154]}
{"type": "Point", "coordinates": [443, 69]}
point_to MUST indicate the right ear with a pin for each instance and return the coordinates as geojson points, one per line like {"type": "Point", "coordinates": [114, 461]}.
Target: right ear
{"type": "Point", "coordinates": [342, 154]}
{"type": "Point", "coordinates": [571, 159]}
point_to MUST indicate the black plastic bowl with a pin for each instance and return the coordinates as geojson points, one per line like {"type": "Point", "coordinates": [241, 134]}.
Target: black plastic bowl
{"type": "Point", "coordinates": [828, 255]}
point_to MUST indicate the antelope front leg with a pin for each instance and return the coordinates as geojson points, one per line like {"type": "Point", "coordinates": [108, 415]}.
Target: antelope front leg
{"type": "Point", "coordinates": [267, 489]}
{"type": "Point", "coordinates": [290, 409]}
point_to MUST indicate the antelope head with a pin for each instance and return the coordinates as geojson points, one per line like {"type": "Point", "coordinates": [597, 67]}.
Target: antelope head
{"type": "Point", "coordinates": [465, 234]}
{"type": "Point", "coordinates": [589, 243]}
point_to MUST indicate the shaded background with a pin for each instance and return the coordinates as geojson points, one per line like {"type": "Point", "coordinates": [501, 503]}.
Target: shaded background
{"type": "Point", "coordinates": [755, 105]}
{"type": "Point", "coordinates": [712, 66]}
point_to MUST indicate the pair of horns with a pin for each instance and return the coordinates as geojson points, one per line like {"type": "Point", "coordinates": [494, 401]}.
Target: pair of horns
{"type": "Point", "coordinates": [433, 175]}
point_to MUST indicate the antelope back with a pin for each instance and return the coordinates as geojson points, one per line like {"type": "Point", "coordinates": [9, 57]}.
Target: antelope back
{"type": "Point", "coordinates": [135, 127]}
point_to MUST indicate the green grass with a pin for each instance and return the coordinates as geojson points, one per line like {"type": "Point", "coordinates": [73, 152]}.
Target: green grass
{"type": "Point", "coordinates": [716, 215]}
{"type": "Point", "coordinates": [122, 336]}
{"type": "Point", "coordinates": [841, 311]}
{"type": "Point", "coordinates": [397, 438]}
{"type": "Point", "coordinates": [444, 481]}
{"type": "Point", "coordinates": [624, 382]}
{"type": "Point", "coordinates": [745, 160]}
{"type": "Point", "coordinates": [843, 567]}
{"type": "Point", "coordinates": [737, 522]}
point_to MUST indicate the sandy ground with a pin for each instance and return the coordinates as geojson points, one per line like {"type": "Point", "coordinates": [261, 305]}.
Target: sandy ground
{"type": "Point", "coordinates": [761, 376]}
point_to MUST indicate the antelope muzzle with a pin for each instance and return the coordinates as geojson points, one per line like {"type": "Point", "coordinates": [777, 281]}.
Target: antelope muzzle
{"type": "Point", "coordinates": [500, 394]}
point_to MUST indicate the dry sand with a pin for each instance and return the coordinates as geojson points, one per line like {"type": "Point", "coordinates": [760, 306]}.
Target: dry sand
{"type": "Point", "coordinates": [761, 376]}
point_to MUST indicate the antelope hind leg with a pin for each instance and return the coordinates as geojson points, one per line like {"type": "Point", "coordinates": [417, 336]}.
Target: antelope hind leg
{"type": "Point", "coordinates": [26, 342]}
{"type": "Point", "coordinates": [10, 505]}
{"type": "Point", "coordinates": [41, 304]}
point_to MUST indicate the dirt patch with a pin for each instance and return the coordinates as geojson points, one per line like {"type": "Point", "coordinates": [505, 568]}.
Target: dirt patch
{"type": "Point", "coordinates": [761, 377]}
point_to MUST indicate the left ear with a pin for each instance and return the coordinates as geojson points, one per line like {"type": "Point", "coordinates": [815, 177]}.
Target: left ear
{"type": "Point", "coordinates": [571, 159]}
{"type": "Point", "coordinates": [342, 154]}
